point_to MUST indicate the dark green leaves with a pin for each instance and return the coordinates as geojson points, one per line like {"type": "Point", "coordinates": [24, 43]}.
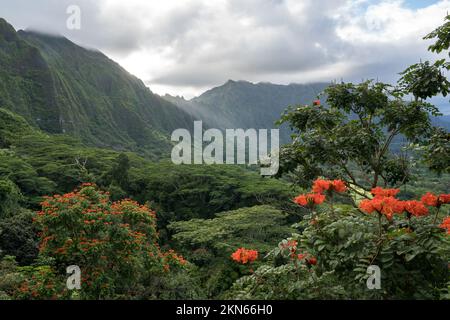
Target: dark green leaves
{"type": "Point", "coordinates": [424, 80]}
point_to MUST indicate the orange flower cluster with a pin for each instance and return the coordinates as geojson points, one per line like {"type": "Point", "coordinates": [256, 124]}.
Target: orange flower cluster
{"type": "Point", "coordinates": [316, 102]}
{"type": "Point", "coordinates": [104, 233]}
{"type": "Point", "coordinates": [415, 208]}
{"type": "Point", "coordinates": [446, 225]}
{"type": "Point", "coordinates": [310, 198]}
{"type": "Point", "coordinates": [319, 187]}
{"type": "Point", "coordinates": [380, 192]}
{"type": "Point", "coordinates": [384, 205]}
{"type": "Point", "coordinates": [432, 200]}
{"type": "Point", "coordinates": [244, 256]}
{"type": "Point", "coordinates": [289, 244]}
{"type": "Point", "coordinates": [172, 258]}
{"type": "Point", "coordinates": [384, 202]}
{"type": "Point", "coordinates": [308, 258]}
{"type": "Point", "coordinates": [292, 246]}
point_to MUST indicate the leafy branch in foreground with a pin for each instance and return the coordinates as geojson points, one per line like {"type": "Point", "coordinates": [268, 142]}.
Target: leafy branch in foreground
{"type": "Point", "coordinates": [355, 138]}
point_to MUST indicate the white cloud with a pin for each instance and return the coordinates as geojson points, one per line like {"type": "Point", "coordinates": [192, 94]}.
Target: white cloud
{"type": "Point", "coordinates": [184, 47]}
{"type": "Point", "coordinates": [390, 21]}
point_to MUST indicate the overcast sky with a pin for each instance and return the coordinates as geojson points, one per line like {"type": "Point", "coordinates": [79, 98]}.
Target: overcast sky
{"type": "Point", "coordinates": [185, 47]}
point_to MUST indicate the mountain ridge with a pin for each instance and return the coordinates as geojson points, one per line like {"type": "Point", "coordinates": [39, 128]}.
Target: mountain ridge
{"type": "Point", "coordinates": [61, 87]}
{"type": "Point", "coordinates": [243, 104]}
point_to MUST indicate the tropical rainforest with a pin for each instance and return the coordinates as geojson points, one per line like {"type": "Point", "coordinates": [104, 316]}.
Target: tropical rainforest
{"type": "Point", "coordinates": [86, 180]}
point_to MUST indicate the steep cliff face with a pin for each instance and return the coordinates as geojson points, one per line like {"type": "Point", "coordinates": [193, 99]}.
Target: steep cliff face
{"type": "Point", "coordinates": [61, 87]}
{"type": "Point", "coordinates": [26, 85]}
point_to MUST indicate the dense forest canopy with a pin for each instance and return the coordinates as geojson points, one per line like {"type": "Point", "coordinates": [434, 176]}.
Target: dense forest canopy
{"type": "Point", "coordinates": [85, 180]}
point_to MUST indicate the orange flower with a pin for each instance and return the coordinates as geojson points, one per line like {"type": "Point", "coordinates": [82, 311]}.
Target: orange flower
{"type": "Point", "coordinates": [416, 208]}
{"type": "Point", "coordinates": [339, 186]}
{"type": "Point", "coordinates": [244, 256]}
{"type": "Point", "coordinates": [301, 256]}
{"type": "Point", "coordinates": [446, 224]}
{"type": "Point", "coordinates": [312, 261]}
{"type": "Point", "coordinates": [430, 199]}
{"type": "Point", "coordinates": [380, 192]}
{"type": "Point", "coordinates": [384, 205]}
{"type": "Point", "coordinates": [309, 199]}
{"type": "Point", "coordinates": [320, 186]}
{"type": "Point", "coordinates": [444, 198]}
{"type": "Point", "coordinates": [316, 102]}
{"type": "Point", "coordinates": [290, 244]}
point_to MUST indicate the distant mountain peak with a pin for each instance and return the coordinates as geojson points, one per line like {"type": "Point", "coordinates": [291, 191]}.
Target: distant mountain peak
{"type": "Point", "coordinates": [7, 31]}
{"type": "Point", "coordinates": [41, 33]}
{"type": "Point", "coordinates": [61, 87]}
{"type": "Point", "coordinates": [230, 81]}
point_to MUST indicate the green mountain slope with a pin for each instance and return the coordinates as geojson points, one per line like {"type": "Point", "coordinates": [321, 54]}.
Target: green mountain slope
{"type": "Point", "coordinates": [63, 88]}
{"type": "Point", "coordinates": [242, 104]}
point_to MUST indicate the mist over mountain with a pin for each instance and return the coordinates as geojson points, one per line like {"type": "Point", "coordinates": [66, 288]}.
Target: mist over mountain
{"type": "Point", "coordinates": [61, 87]}
{"type": "Point", "coordinates": [242, 104]}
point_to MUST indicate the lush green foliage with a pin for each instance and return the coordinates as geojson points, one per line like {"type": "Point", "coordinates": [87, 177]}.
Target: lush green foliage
{"type": "Point", "coordinates": [355, 131]}
{"type": "Point", "coordinates": [63, 88]}
{"type": "Point", "coordinates": [411, 251]}
{"type": "Point", "coordinates": [209, 242]}
{"type": "Point", "coordinates": [226, 220]}
{"type": "Point", "coordinates": [242, 104]}
{"type": "Point", "coordinates": [114, 244]}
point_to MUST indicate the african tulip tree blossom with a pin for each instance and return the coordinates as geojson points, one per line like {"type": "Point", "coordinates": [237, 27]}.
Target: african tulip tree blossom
{"type": "Point", "coordinates": [308, 258]}
{"type": "Point", "coordinates": [387, 206]}
{"type": "Point", "coordinates": [291, 244]}
{"type": "Point", "coordinates": [446, 224]}
{"type": "Point", "coordinates": [444, 198]}
{"type": "Point", "coordinates": [108, 238]}
{"type": "Point", "coordinates": [301, 256]}
{"type": "Point", "coordinates": [244, 256]}
{"type": "Point", "coordinates": [321, 186]}
{"type": "Point", "coordinates": [432, 200]}
{"type": "Point", "coordinates": [415, 208]}
{"type": "Point", "coordinates": [309, 199]}
{"type": "Point", "coordinates": [380, 192]}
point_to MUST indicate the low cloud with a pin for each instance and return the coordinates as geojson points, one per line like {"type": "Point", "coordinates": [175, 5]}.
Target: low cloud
{"type": "Point", "coordinates": [183, 47]}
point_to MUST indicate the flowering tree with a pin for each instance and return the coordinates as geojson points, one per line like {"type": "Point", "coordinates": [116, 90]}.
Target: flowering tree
{"type": "Point", "coordinates": [113, 243]}
{"type": "Point", "coordinates": [244, 256]}
{"type": "Point", "coordinates": [352, 137]}
{"type": "Point", "coordinates": [425, 80]}
{"type": "Point", "coordinates": [358, 135]}
{"type": "Point", "coordinates": [408, 240]}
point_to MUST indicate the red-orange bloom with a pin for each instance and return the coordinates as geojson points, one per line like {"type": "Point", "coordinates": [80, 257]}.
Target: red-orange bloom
{"type": "Point", "coordinates": [339, 186]}
{"type": "Point", "coordinates": [320, 186]}
{"type": "Point", "coordinates": [309, 199]}
{"type": "Point", "coordinates": [430, 199]}
{"type": "Point", "coordinates": [384, 205]}
{"type": "Point", "coordinates": [446, 224]}
{"type": "Point", "coordinates": [380, 192]}
{"type": "Point", "coordinates": [244, 256]}
{"type": "Point", "coordinates": [312, 261]}
{"type": "Point", "coordinates": [415, 208]}
{"type": "Point", "coordinates": [444, 198]}
{"type": "Point", "coordinates": [290, 244]}
{"type": "Point", "coordinates": [316, 102]}
{"type": "Point", "coordinates": [301, 256]}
